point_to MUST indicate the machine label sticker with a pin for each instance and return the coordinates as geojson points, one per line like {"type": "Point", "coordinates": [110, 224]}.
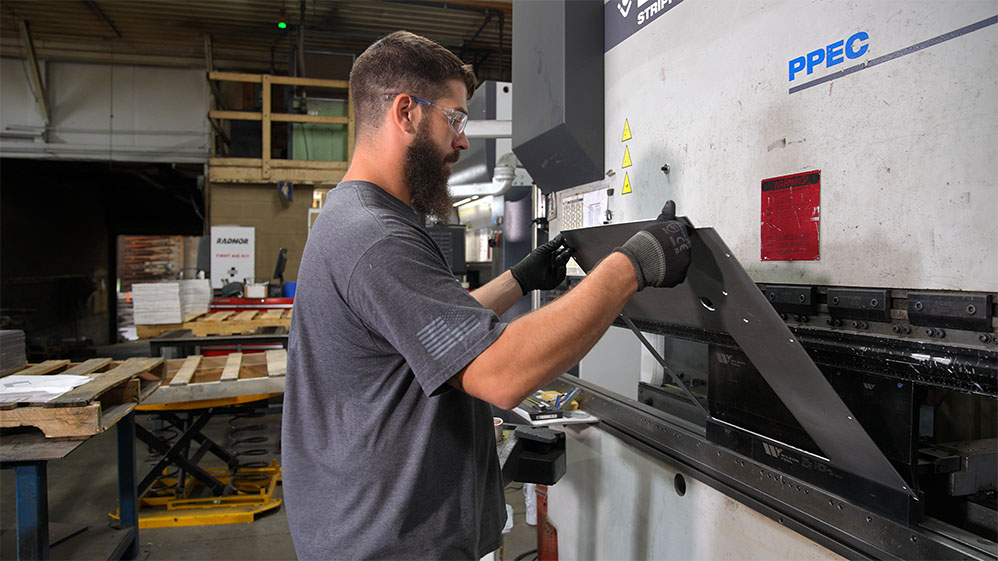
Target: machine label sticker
{"type": "Point", "coordinates": [773, 451]}
{"type": "Point", "coordinates": [626, 189]}
{"type": "Point", "coordinates": [623, 18]}
{"type": "Point", "coordinates": [791, 212]}
{"type": "Point", "coordinates": [571, 215]}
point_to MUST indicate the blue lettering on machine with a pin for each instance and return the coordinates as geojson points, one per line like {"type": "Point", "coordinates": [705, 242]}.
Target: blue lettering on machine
{"type": "Point", "coordinates": [835, 53]}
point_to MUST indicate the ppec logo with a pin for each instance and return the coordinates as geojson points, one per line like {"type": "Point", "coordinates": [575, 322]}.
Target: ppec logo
{"type": "Point", "coordinates": [835, 53]}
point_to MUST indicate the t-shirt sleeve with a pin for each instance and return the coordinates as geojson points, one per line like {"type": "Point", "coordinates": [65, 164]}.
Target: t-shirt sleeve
{"type": "Point", "coordinates": [403, 291]}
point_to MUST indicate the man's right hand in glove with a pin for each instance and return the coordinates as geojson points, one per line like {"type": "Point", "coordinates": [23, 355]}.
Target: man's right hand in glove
{"type": "Point", "coordinates": [660, 253]}
{"type": "Point", "coordinates": [538, 347]}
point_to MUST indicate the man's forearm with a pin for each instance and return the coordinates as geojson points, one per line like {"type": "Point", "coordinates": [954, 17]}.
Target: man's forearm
{"type": "Point", "coordinates": [540, 346]}
{"type": "Point", "coordinates": [499, 294]}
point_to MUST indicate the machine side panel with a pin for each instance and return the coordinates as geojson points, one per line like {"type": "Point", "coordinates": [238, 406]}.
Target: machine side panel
{"type": "Point", "coordinates": [614, 363]}
{"type": "Point", "coordinates": [617, 503]}
{"type": "Point", "coordinates": [905, 141]}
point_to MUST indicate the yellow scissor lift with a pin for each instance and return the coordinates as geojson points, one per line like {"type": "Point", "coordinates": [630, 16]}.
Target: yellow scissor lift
{"type": "Point", "coordinates": [249, 499]}
{"type": "Point", "coordinates": [209, 495]}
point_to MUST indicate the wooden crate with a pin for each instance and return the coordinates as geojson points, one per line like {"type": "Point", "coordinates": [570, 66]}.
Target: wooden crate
{"type": "Point", "coordinates": [199, 378]}
{"type": "Point", "coordinates": [222, 323]}
{"type": "Point", "coordinates": [114, 390]}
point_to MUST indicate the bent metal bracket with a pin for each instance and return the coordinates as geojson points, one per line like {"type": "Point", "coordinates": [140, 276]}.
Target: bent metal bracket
{"type": "Point", "coordinates": [718, 295]}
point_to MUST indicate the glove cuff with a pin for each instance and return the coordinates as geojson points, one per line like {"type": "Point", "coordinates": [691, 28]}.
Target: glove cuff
{"type": "Point", "coordinates": [520, 280]}
{"type": "Point", "coordinates": [635, 263]}
{"type": "Point", "coordinates": [649, 256]}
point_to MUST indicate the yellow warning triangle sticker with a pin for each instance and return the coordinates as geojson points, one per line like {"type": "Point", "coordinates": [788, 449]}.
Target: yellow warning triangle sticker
{"type": "Point", "coordinates": [627, 132]}
{"type": "Point", "coordinates": [627, 185]}
{"type": "Point", "coordinates": [627, 158]}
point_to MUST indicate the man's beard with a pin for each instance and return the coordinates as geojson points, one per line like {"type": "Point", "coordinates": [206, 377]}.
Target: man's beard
{"type": "Point", "coordinates": [427, 176]}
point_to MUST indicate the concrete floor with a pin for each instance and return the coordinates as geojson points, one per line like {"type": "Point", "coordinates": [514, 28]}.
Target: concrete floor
{"type": "Point", "coordinates": [83, 490]}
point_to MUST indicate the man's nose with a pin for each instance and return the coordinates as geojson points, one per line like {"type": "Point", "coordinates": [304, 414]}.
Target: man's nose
{"type": "Point", "coordinates": [461, 142]}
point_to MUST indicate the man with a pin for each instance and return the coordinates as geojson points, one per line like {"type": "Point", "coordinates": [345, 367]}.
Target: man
{"type": "Point", "coordinates": [388, 448]}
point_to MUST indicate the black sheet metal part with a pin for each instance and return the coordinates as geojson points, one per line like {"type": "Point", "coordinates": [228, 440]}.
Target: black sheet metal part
{"type": "Point", "coordinates": [665, 366]}
{"type": "Point", "coordinates": [718, 295]}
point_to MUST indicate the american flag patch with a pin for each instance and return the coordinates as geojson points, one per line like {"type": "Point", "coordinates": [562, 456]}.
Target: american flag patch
{"type": "Point", "coordinates": [441, 334]}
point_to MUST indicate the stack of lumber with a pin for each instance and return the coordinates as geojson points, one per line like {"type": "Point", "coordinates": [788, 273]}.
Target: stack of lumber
{"type": "Point", "coordinates": [114, 389]}
{"type": "Point", "coordinates": [12, 354]}
{"type": "Point", "coordinates": [149, 259]}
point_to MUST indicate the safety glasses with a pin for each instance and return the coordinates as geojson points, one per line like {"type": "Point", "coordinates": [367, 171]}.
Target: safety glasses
{"type": "Point", "coordinates": [458, 120]}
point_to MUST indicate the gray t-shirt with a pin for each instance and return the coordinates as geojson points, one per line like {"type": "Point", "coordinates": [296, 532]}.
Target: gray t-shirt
{"type": "Point", "coordinates": [381, 457]}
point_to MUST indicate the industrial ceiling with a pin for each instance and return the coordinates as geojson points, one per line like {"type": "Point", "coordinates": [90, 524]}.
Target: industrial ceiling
{"type": "Point", "coordinates": [243, 35]}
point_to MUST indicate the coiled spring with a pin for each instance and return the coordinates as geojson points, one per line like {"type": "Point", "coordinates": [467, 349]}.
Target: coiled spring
{"type": "Point", "coordinates": [245, 438]}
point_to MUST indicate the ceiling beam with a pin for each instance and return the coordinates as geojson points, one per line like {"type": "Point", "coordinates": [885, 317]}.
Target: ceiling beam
{"type": "Point", "coordinates": [71, 53]}
{"type": "Point", "coordinates": [465, 5]}
{"type": "Point", "coordinates": [36, 77]}
{"type": "Point", "coordinates": [209, 60]}
{"type": "Point", "coordinates": [102, 16]}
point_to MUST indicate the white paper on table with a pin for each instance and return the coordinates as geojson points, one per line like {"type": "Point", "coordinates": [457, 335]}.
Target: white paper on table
{"type": "Point", "coordinates": [37, 389]}
{"type": "Point", "coordinates": [594, 204]}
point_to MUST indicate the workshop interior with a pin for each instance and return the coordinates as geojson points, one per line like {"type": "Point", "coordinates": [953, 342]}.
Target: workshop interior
{"type": "Point", "coordinates": [823, 384]}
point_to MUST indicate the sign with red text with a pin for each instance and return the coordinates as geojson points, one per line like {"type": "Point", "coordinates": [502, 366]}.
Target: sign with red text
{"type": "Point", "coordinates": [232, 254]}
{"type": "Point", "coordinates": [791, 214]}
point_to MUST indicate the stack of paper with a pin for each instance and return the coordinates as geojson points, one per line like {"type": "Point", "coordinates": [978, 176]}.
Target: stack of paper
{"type": "Point", "coordinates": [157, 303]}
{"type": "Point", "coordinates": [195, 296]}
{"type": "Point", "coordinates": [37, 389]}
{"type": "Point", "coordinates": [170, 302]}
{"type": "Point", "coordinates": [12, 355]}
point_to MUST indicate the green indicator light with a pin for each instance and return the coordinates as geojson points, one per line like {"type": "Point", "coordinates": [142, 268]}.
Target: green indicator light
{"type": "Point", "coordinates": [282, 25]}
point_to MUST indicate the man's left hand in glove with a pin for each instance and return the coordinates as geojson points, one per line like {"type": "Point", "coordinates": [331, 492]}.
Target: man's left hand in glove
{"type": "Point", "coordinates": [544, 268]}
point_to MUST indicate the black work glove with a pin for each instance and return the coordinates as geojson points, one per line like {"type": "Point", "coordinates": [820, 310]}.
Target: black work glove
{"type": "Point", "coordinates": [544, 268]}
{"type": "Point", "coordinates": [661, 252]}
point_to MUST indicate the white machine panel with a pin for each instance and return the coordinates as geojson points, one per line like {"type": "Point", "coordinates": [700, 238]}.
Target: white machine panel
{"type": "Point", "coordinates": [614, 362]}
{"type": "Point", "coordinates": [615, 502]}
{"type": "Point", "coordinates": [906, 145]}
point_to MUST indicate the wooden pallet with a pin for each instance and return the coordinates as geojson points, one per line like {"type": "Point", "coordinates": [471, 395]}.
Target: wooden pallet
{"type": "Point", "coordinates": [114, 390]}
{"type": "Point", "coordinates": [222, 323]}
{"type": "Point", "coordinates": [199, 378]}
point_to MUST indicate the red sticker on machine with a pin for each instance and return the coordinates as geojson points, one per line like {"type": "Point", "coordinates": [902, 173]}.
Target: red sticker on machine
{"type": "Point", "coordinates": [791, 213]}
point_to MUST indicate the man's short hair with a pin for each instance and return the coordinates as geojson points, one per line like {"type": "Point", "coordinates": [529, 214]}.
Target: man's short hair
{"type": "Point", "coordinates": [401, 62]}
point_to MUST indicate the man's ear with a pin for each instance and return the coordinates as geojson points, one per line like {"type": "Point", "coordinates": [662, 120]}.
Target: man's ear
{"type": "Point", "coordinates": [402, 115]}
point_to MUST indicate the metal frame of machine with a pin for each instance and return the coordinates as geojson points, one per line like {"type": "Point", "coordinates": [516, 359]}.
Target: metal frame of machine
{"type": "Point", "coordinates": [826, 518]}
{"type": "Point", "coordinates": [832, 499]}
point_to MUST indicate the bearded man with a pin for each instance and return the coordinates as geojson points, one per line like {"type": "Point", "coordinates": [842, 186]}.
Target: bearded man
{"type": "Point", "coordinates": [387, 444]}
